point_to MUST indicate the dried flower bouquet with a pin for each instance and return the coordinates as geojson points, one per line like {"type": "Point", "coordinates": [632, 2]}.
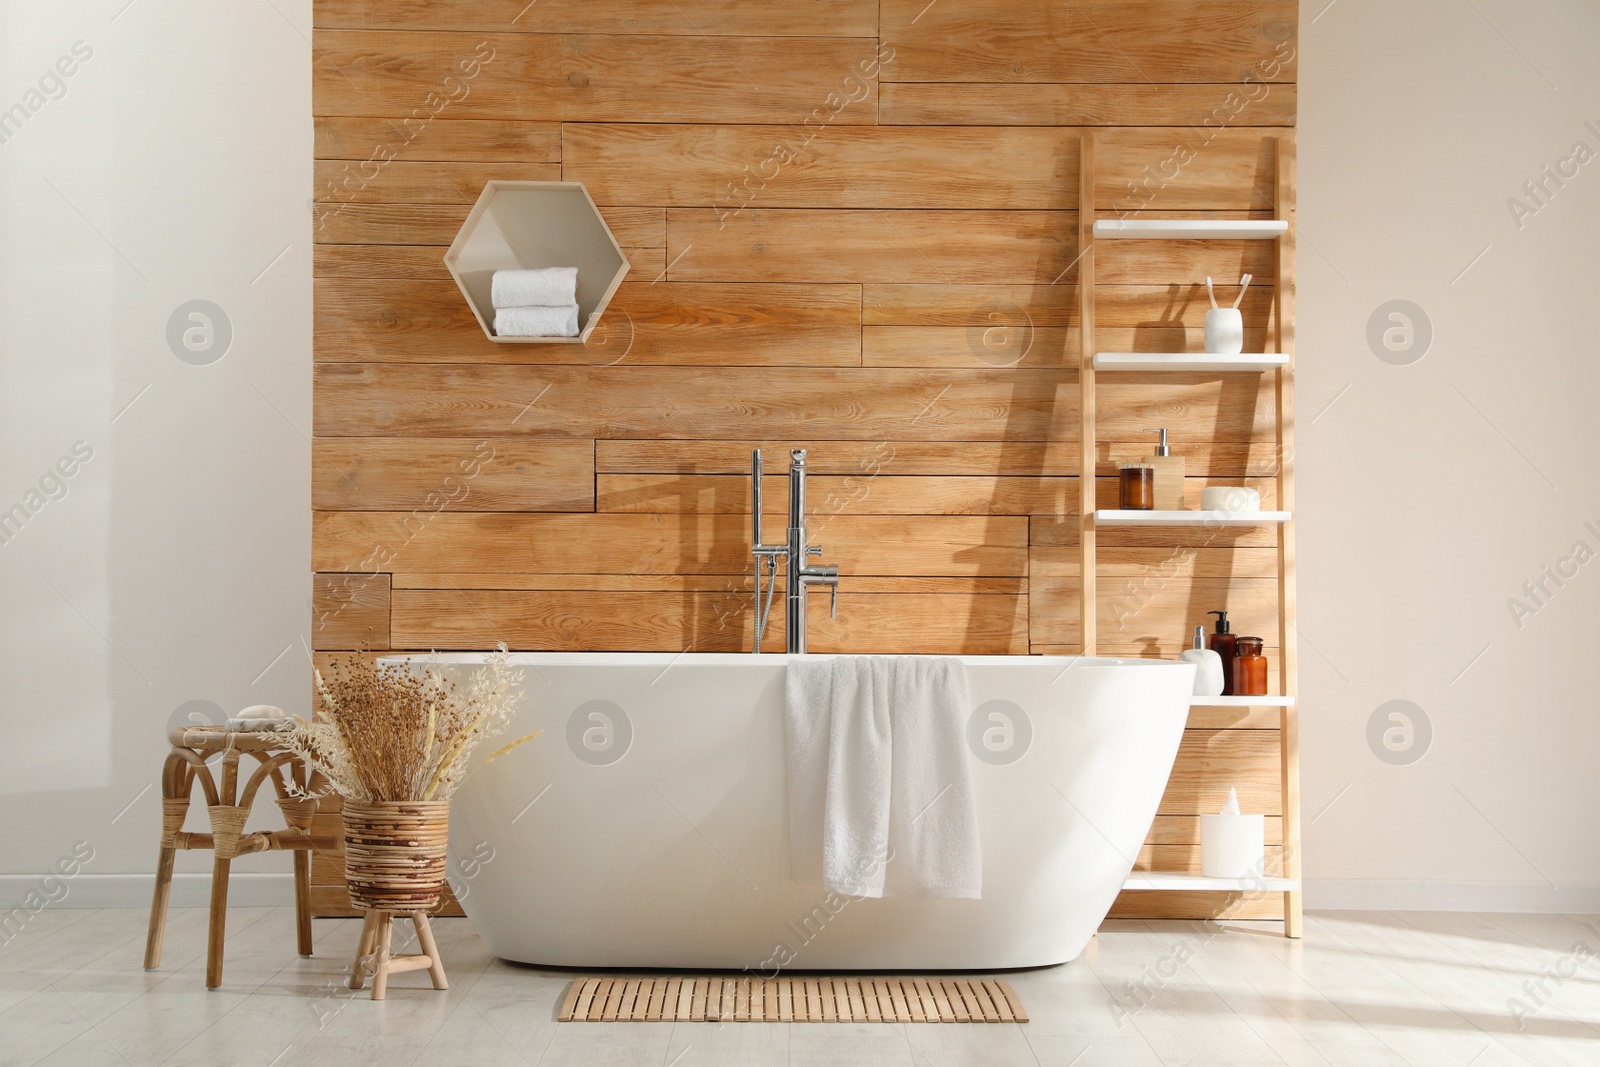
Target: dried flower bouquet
{"type": "Point", "coordinates": [393, 733]}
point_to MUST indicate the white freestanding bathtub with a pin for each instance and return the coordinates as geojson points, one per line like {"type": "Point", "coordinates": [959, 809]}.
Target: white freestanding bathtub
{"type": "Point", "coordinates": [648, 826]}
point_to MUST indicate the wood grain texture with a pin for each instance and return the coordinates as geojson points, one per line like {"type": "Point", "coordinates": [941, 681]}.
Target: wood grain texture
{"type": "Point", "coordinates": [334, 261]}
{"type": "Point", "coordinates": [842, 457]}
{"type": "Point", "coordinates": [455, 474]}
{"type": "Point", "coordinates": [387, 224]}
{"type": "Point", "coordinates": [1061, 561]}
{"type": "Point", "coordinates": [349, 614]}
{"type": "Point", "coordinates": [647, 263]}
{"type": "Point", "coordinates": [866, 493]}
{"type": "Point", "coordinates": [1186, 904]}
{"type": "Point", "coordinates": [1066, 104]}
{"type": "Point", "coordinates": [599, 77]}
{"type": "Point", "coordinates": [1185, 830]}
{"type": "Point", "coordinates": [1050, 530]}
{"type": "Point", "coordinates": [1154, 613]}
{"type": "Point", "coordinates": [702, 621]}
{"type": "Point", "coordinates": [1010, 340]}
{"type": "Point", "coordinates": [730, 167]}
{"type": "Point", "coordinates": [1206, 458]}
{"type": "Point", "coordinates": [442, 140]}
{"type": "Point", "coordinates": [953, 545]}
{"type": "Point", "coordinates": [1288, 604]}
{"type": "Point", "coordinates": [736, 169]}
{"type": "Point", "coordinates": [1020, 306]}
{"type": "Point", "coordinates": [777, 245]}
{"type": "Point", "coordinates": [1212, 761]}
{"type": "Point", "coordinates": [731, 18]}
{"type": "Point", "coordinates": [701, 583]}
{"type": "Point", "coordinates": [369, 399]}
{"type": "Point", "coordinates": [1143, 41]}
{"type": "Point", "coordinates": [931, 247]}
{"type": "Point", "coordinates": [1088, 397]}
{"type": "Point", "coordinates": [409, 320]}
{"type": "Point", "coordinates": [347, 182]}
{"type": "Point", "coordinates": [1185, 858]}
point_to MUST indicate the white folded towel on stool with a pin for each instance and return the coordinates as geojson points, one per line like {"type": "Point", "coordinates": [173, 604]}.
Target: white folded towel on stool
{"type": "Point", "coordinates": [881, 801]}
{"type": "Point", "coordinates": [536, 321]}
{"type": "Point", "coordinates": [541, 287]}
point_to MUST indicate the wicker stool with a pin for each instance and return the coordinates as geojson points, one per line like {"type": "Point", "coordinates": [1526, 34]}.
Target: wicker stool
{"type": "Point", "coordinates": [227, 811]}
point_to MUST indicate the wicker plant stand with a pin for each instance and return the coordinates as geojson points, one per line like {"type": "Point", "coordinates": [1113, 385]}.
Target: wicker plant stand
{"type": "Point", "coordinates": [394, 863]}
{"type": "Point", "coordinates": [227, 810]}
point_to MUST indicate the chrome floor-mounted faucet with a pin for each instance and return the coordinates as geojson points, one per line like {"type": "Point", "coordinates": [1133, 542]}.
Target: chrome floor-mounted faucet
{"type": "Point", "coordinates": [801, 575]}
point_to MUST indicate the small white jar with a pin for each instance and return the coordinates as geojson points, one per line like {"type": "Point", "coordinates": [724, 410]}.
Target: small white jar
{"type": "Point", "coordinates": [1233, 498]}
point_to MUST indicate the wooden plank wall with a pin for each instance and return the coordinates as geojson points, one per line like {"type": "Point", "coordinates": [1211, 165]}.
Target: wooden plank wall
{"type": "Point", "coordinates": [852, 227]}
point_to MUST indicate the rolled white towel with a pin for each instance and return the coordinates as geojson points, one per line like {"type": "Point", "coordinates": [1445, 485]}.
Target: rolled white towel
{"type": "Point", "coordinates": [542, 287]}
{"type": "Point", "coordinates": [536, 321]}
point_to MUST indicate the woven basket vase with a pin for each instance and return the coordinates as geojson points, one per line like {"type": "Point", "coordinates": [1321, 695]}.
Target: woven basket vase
{"type": "Point", "coordinates": [394, 853]}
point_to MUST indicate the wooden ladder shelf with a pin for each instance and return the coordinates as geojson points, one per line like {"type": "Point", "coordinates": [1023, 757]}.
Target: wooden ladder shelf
{"type": "Point", "coordinates": [1281, 365]}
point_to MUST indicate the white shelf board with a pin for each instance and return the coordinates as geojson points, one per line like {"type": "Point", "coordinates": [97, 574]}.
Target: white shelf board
{"type": "Point", "coordinates": [1191, 229]}
{"type": "Point", "coordinates": [1188, 361]}
{"type": "Point", "coordinates": [1242, 702]}
{"type": "Point", "coordinates": [1112, 517]}
{"type": "Point", "coordinates": [1165, 880]}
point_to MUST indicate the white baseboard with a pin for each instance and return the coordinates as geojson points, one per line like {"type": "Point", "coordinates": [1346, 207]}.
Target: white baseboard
{"type": "Point", "coordinates": [1328, 894]}
{"type": "Point", "coordinates": [133, 890]}
{"type": "Point", "coordinates": [1400, 894]}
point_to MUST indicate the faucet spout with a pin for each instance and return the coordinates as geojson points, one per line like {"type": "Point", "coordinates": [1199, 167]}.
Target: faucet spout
{"type": "Point", "coordinates": [796, 551]}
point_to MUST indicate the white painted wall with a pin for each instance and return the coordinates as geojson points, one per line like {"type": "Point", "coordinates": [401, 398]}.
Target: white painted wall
{"type": "Point", "coordinates": [173, 164]}
{"type": "Point", "coordinates": [1430, 493]}
{"type": "Point", "coordinates": [175, 569]}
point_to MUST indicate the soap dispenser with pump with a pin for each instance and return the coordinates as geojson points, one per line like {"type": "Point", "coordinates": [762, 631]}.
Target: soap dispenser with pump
{"type": "Point", "coordinates": [1208, 673]}
{"type": "Point", "coordinates": [1169, 475]}
{"type": "Point", "coordinates": [1225, 645]}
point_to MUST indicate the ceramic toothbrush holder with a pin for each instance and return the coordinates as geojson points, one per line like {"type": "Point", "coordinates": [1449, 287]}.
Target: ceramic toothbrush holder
{"type": "Point", "coordinates": [1224, 331]}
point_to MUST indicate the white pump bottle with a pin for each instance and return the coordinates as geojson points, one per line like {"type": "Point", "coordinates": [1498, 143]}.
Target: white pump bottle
{"type": "Point", "coordinates": [1207, 666]}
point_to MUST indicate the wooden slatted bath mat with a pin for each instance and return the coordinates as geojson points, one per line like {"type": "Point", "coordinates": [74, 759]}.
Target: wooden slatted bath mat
{"type": "Point", "coordinates": [796, 1000]}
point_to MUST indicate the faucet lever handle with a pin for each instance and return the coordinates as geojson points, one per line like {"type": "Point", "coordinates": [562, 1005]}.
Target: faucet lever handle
{"type": "Point", "coordinates": [833, 601]}
{"type": "Point", "coordinates": [813, 550]}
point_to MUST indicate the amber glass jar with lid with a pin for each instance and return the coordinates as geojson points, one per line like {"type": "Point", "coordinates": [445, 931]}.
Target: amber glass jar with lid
{"type": "Point", "coordinates": [1250, 668]}
{"type": "Point", "coordinates": [1137, 488]}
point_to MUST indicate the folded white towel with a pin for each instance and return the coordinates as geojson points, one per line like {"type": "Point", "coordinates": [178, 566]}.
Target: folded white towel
{"type": "Point", "coordinates": [880, 793]}
{"type": "Point", "coordinates": [541, 287]}
{"type": "Point", "coordinates": [536, 321]}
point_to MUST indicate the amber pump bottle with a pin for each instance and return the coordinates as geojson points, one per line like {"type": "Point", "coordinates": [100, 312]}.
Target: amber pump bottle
{"type": "Point", "coordinates": [1224, 644]}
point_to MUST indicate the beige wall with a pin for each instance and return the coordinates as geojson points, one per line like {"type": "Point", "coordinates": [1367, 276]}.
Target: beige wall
{"type": "Point", "coordinates": [1431, 492]}
{"type": "Point", "coordinates": [174, 165]}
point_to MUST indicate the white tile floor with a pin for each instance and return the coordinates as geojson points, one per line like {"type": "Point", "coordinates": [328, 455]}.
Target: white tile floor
{"type": "Point", "coordinates": [1363, 989]}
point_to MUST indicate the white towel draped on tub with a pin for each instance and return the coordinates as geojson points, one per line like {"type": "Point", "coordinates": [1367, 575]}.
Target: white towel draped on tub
{"type": "Point", "coordinates": [880, 792]}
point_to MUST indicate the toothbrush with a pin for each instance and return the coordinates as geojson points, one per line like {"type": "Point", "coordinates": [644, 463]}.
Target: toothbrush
{"type": "Point", "coordinates": [1211, 292]}
{"type": "Point", "coordinates": [1244, 283]}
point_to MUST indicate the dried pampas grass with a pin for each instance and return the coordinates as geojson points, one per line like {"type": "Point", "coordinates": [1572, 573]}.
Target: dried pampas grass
{"type": "Point", "coordinates": [397, 733]}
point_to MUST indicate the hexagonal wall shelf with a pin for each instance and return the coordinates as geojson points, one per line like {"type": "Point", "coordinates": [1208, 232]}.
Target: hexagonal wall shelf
{"type": "Point", "coordinates": [536, 224]}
